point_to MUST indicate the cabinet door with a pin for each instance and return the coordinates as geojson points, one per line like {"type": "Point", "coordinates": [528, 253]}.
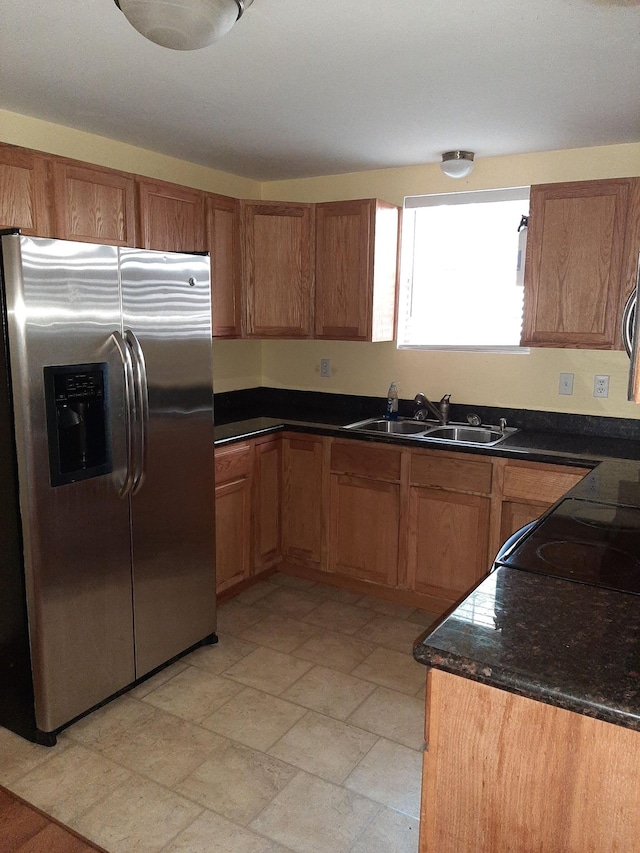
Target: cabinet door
{"type": "Point", "coordinates": [266, 504]}
{"type": "Point", "coordinates": [277, 268]}
{"type": "Point", "coordinates": [233, 466]}
{"type": "Point", "coordinates": [302, 500]}
{"type": "Point", "coordinates": [171, 217]}
{"type": "Point", "coordinates": [575, 265]}
{"type": "Point", "coordinates": [93, 204]}
{"type": "Point", "coordinates": [24, 196]}
{"type": "Point", "coordinates": [448, 541]}
{"type": "Point", "coordinates": [356, 270]}
{"type": "Point", "coordinates": [364, 524]}
{"type": "Point", "coordinates": [223, 243]}
{"type": "Point", "coordinates": [515, 514]}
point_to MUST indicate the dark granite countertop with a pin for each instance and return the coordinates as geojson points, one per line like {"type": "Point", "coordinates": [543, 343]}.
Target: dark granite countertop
{"type": "Point", "coordinates": [556, 641]}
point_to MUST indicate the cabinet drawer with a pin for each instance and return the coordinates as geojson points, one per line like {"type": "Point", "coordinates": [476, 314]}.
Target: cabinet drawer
{"type": "Point", "coordinates": [232, 463]}
{"type": "Point", "coordinates": [543, 483]}
{"type": "Point", "coordinates": [352, 457]}
{"type": "Point", "coordinates": [446, 472]}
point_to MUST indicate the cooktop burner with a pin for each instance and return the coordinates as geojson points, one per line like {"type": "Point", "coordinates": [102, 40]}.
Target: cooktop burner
{"type": "Point", "coordinates": [591, 543]}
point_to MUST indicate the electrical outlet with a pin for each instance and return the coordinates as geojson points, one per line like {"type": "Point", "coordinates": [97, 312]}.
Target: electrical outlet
{"type": "Point", "coordinates": [566, 383]}
{"type": "Point", "coordinates": [601, 386]}
{"type": "Point", "coordinates": [325, 368]}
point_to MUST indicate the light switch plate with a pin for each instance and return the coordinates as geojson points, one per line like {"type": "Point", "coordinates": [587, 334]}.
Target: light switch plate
{"type": "Point", "coordinates": [566, 383]}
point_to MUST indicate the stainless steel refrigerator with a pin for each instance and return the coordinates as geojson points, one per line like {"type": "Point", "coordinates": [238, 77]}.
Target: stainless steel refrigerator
{"type": "Point", "coordinates": [106, 473]}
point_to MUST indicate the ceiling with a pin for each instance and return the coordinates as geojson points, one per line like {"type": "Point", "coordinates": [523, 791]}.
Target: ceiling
{"type": "Point", "coordinates": [317, 87]}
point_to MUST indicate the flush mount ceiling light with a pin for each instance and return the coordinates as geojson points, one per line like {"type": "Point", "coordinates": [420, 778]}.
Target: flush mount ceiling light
{"type": "Point", "coordinates": [457, 164]}
{"type": "Point", "coordinates": [182, 24]}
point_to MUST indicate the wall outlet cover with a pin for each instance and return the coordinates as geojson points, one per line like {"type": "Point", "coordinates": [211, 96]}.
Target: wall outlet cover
{"type": "Point", "coordinates": [601, 386]}
{"type": "Point", "coordinates": [325, 368]}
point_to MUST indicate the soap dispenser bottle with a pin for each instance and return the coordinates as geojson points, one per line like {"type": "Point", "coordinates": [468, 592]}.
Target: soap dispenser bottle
{"type": "Point", "coordinates": [392, 402]}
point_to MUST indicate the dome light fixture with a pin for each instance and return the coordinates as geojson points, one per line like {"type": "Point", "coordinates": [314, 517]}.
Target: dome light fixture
{"type": "Point", "coordinates": [183, 24]}
{"type": "Point", "coordinates": [457, 164]}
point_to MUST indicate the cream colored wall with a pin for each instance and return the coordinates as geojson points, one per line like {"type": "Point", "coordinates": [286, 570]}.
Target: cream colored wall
{"type": "Point", "coordinates": [517, 381]}
{"type": "Point", "coordinates": [236, 365]}
{"type": "Point", "coordinates": [29, 132]}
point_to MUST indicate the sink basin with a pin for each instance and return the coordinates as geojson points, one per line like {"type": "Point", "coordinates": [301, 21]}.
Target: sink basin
{"type": "Point", "coordinates": [399, 427]}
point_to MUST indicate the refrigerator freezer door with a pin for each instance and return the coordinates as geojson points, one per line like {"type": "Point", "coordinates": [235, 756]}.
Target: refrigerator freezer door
{"type": "Point", "coordinates": [167, 310]}
{"type": "Point", "coordinates": [62, 303]}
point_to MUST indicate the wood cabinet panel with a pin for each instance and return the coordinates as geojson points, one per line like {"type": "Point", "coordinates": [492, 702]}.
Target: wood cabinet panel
{"type": "Point", "coordinates": [233, 522]}
{"type": "Point", "coordinates": [364, 528]}
{"type": "Point", "coordinates": [93, 204]}
{"type": "Point", "coordinates": [223, 243]}
{"type": "Point", "coordinates": [356, 270]}
{"type": "Point", "coordinates": [277, 268]}
{"type": "Point", "coordinates": [368, 460]}
{"type": "Point", "coordinates": [448, 541]}
{"type": "Point", "coordinates": [266, 503]}
{"type": "Point", "coordinates": [172, 217]}
{"type": "Point", "coordinates": [540, 483]}
{"type": "Point", "coordinates": [24, 191]}
{"type": "Point", "coordinates": [303, 503]}
{"type": "Point", "coordinates": [450, 472]}
{"type": "Point", "coordinates": [502, 772]}
{"type": "Point", "coordinates": [575, 269]}
{"type": "Point", "coordinates": [515, 515]}
{"type": "Point", "coordinates": [232, 462]}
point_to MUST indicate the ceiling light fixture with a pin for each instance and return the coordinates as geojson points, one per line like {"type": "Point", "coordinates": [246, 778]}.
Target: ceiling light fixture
{"type": "Point", "coordinates": [457, 164]}
{"type": "Point", "coordinates": [183, 24]}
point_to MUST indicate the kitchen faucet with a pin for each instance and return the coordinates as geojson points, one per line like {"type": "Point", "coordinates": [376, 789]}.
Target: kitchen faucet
{"type": "Point", "coordinates": [425, 405]}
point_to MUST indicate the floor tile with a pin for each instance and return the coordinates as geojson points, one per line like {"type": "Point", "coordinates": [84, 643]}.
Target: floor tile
{"type": "Point", "coordinates": [314, 816]}
{"type": "Point", "coordinates": [112, 724]}
{"type": "Point", "coordinates": [227, 651]}
{"type": "Point", "coordinates": [329, 692]}
{"type": "Point", "coordinates": [237, 782]}
{"type": "Point", "coordinates": [254, 718]}
{"type": "Point", "coordinates": [279, 632]}
{"type": "Point", "coordinates": [193, 694]}
{"type": "Point", "coordinates": [393, 715]}
{"type": "Point", "coordinates": [140, 816]}
{"type": "Point", "coordinates": [71, 782]}
{"type": "Point", "coordinates": [158, 679]}
{"type": "Point", "coordinates": [324, 746]}
{"type": "Point", "coordinates": [212, 833]}
{"type": "Point", "coordinates": [19, 756]}
{"type": "Point", "coordinates": [388, 608]}
{"type": "Point", "coordinates": [335, 651]}
{"type": "Point", "coordinates": [268, 670]}
{"type": "Point", "coordinates": [391, 774]}
{"type": "Point", "coordinates": [234, 618]}
{"type": "Point", "coordinates": [165, 749]}
{"type": "Point", "coordinates": [389, 832]}
{"type": "Point", "coordinates": [391, 633]}
{"type": "Point", "coordinates": [423, 617]}
{"type": "Point", "coordinates": [337, 616]}
{"type": "Point", "coordinates": [335, 593]}
{"type": "Point", "coordinates": [254, 593]}
{"type": "Point", "coordinates": [292, 581]}
{"type": "Point", "coordinates": [392, 669]}
{"type": "Point", "coordinates": [285, 601]}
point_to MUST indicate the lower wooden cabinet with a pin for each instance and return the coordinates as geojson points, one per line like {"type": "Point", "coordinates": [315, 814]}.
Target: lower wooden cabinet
{"type": "Point", "coordinates": [303, 503]}
{"type": "Point", "coordinates": [233, 467]}
{"type": "Point", "coordinates": [504, 772]}
{"type": "Point", "coordinates": [266, 503]}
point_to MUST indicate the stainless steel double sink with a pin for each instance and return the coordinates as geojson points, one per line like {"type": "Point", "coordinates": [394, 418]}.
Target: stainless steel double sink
{"type": "Point", "coordinates": [453, 433]}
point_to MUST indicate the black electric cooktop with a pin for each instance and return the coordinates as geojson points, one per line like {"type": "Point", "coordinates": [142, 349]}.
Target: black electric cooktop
{"type": "Point", "coordinates": [583, 541]}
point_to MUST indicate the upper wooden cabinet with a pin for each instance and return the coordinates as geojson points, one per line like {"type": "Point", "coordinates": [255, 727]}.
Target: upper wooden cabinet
{"type": "Point", "coordinates": [24, 192]}
{"type": "Point", "coordinates": [93, 204]}
{"type": "Point", "coordinates": [582, 249]}
{"type": "Point", "coordinates": [172, 217]}
{"type": "Point", "coordinates": [277, 268]}
{"type": "Point", "coordinates": [356, 270]}
{"type": "Point", "coordinates": [223, 243]}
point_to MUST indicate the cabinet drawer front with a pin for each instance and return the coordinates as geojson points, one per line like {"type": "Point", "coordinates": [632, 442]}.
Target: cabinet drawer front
{"type": "Point", "coordinates": [232, 463]}
{"type": "Point", "coordinates": [541, 484]}
{"type": "Point", "coordinates": [461, 475]}
{"type": "Point", "coordinates": [367, 461]}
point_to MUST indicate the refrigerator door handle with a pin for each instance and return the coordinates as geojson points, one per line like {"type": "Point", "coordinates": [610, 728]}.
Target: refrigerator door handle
{"type": "Point", "coordinates": [131, 414]}
{"type": "Point", "coordinates": [633, 391]}
{"type": "Point", "coordinates": [142, 404]}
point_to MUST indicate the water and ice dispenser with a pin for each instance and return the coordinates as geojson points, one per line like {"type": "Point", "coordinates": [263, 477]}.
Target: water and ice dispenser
{"type": "Point", "coordinates": [76, 401]}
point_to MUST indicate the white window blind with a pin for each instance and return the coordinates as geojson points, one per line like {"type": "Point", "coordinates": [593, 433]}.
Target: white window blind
{"type": "Point", "coordinates": [458, 277]}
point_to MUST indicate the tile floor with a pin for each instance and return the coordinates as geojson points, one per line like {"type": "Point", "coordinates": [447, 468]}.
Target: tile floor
{"type": "Point", "coordinates": [300, 732]}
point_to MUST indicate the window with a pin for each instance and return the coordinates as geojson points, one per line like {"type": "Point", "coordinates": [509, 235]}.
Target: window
{"type": "Point", "coordinates": [461, 270]}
